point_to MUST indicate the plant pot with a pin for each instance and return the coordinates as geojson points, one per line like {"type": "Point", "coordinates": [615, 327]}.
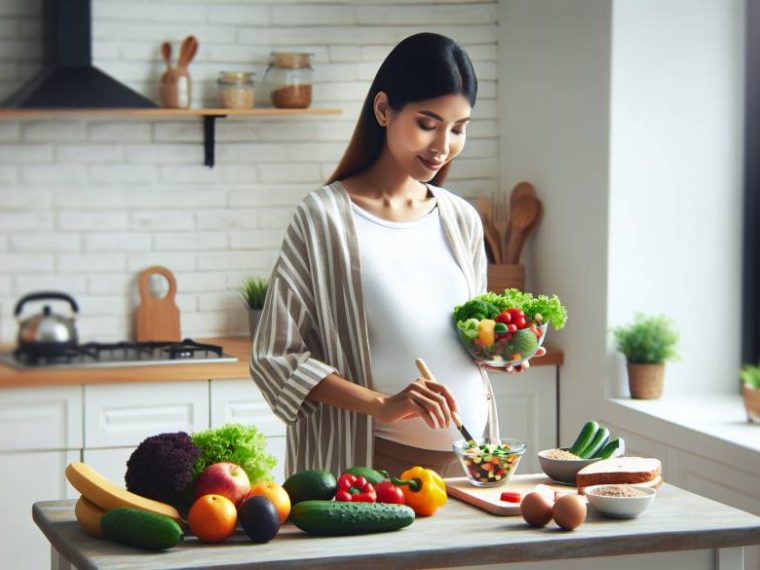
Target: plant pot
{"type": "Point", "coordinates": [751, 403]}
{"type": "Point", "coordinates": [645, 380]}
{"type": "Point", "coordinates": [254, 316]}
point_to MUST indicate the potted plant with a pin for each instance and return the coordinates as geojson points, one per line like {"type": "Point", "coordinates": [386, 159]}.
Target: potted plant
{"type": "Point", "coordinates": [253, 292]}
{"type": "Point", "coordinates": [750, 375]}
{"type": "Point", "coordinates": [647, 343]}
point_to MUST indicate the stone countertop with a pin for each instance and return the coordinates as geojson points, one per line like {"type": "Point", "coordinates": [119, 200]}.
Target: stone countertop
{"type": "Point", "coordinates": [457, 535]}
{"type": "Point", "coordinates": [236, 346]}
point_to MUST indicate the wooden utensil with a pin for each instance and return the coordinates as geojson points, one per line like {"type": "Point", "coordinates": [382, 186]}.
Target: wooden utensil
{"type": "Point", "coordinates": [166, 52]}
{"type": "Point", "coordinates": [428, 375]}
{"type": "Point", "coordinates": [500, 218]}
{"type": "Point", "coordinates": [521, 189]}
{"type": "Point", "coordinates": [490, 236]}
{"type": "Point", "coordinates": [187, 51]}
{"type": "Point", "coordinates": [488, 498]}
{"type": "Point", "coordinates": [156, 318]}
{"type": "Point", "coordinates": [524, 212]}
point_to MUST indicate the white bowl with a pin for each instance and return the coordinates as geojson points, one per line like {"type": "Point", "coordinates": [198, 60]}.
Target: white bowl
{"type": "Point", "coordinates": [620, 507]}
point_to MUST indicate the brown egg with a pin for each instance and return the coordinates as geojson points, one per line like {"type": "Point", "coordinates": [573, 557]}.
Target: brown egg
{"type": "Point", "coordinates": [536, 508]}
{"type": "Point", "coordinates": [570, 511]}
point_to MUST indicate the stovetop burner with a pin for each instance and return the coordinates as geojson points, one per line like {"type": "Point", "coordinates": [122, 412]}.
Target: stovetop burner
{"type": "Point", "coordinates": [96, 354]}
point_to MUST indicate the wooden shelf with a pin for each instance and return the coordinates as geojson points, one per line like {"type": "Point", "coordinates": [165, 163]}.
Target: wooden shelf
{"type": "Point", "coordinates": [209, 117]}
{"type": "Point", "coordinates": [160, 113]}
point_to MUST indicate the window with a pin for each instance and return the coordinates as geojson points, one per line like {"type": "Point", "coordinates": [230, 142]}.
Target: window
{"type": "Point", "coordinates": [751, 253]}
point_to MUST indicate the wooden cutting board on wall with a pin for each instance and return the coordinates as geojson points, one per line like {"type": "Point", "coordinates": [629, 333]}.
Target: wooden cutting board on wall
{"type": "Point", "coordinates": [156, 319]}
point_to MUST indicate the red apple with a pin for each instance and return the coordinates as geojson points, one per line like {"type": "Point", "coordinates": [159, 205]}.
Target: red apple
{"type": "Point", "coordinates": [226, 479]}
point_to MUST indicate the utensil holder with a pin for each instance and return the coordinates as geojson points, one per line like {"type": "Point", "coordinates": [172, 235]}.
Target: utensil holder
{"type": "Point", "coordinates": [505, 276]}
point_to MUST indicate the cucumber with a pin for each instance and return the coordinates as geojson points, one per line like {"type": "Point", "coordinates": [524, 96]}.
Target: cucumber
{"type": "Point", "coordinates": [615, 447]}
{"type": "Point", "coordinates": [312, 484]}
{"type": "Point", "coordinates": [372, 475]}
{"type": "Point", "coordinates": [336, 518]}
{"type": "Point", "coordinates": [143, 530]}
{"type": "Point", "coordinates": [597, 444]}
{"type": "Point", "coordinates": [585, 437]}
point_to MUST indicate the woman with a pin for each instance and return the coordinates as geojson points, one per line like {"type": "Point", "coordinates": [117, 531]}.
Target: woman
{"type": "Point", "coordinates": [370, 270]}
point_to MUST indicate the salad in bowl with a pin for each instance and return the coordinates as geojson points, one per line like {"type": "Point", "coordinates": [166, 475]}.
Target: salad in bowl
{"type": "Point", "coordinates": [507, 329]}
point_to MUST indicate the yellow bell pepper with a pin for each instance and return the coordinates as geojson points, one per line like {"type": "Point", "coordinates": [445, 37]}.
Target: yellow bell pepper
{"type": "Point", "coordinates": [424, 490]}
{"type": "Point", "coordinates": [486, 333]}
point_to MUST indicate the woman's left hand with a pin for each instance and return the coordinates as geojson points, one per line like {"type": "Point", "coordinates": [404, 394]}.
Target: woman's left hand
{"type": "Point", "coordinates": [511, 369]}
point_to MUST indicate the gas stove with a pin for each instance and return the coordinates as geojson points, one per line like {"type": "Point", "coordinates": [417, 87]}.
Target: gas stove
{"type": "Point", "coordinates": [119, 354]}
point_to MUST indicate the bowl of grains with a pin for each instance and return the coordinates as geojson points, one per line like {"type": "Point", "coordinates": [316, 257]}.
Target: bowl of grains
{"type": "Point", "coordinates": [561, 465]}
{"type": "Point", "coordinates": [620, 501]}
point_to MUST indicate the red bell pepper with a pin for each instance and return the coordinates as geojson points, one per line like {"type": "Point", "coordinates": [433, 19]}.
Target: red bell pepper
{"type": "Point", "coordinates": [387, 492]}
{"type": "Point", "coordinates": [511, 497]}
{"type": "Point", "coordinates": [355, 489]}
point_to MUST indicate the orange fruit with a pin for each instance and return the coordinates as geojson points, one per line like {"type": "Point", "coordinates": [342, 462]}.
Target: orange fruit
{"type": "Point", "coordinates": [212, 518]}
{"type": "Point", "coordinates": [275, 493]}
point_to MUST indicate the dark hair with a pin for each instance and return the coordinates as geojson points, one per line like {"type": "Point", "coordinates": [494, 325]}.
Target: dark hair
{"type": "Point", "coordinates": [423, 66]}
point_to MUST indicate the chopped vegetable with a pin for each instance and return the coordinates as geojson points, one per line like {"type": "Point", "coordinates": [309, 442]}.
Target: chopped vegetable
{"type": "Point", "coordinates": [489, 462]}
{"type": "Point", "coordinates": [510, 497]}
{"type": "Point", "coordinates": [238, 444]}
{"type": "Point", "coordinates": [161, 467]}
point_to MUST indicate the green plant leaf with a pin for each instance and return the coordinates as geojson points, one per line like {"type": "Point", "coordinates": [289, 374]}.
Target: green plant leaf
{"type": "Point", "coordinates": [253, 292]}
{"type": "Point", "coordinates": [647, 340]}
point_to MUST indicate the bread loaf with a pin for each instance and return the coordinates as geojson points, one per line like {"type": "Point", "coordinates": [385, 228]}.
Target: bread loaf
{"type": "Point", "coordinates": [620, 470]}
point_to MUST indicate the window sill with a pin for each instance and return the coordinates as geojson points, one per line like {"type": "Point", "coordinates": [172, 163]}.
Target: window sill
{"type": "Point", "coordinates": [710, 425]}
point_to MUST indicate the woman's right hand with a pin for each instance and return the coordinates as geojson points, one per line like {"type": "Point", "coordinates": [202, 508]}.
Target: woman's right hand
{"type": "Point", "coordinates": [431, 401]}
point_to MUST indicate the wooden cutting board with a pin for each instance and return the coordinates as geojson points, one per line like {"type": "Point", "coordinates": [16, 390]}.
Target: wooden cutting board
{"type": "Point", "coordinates": [487, 498]}
{"type": "Point", "coordinates": [156, 319]}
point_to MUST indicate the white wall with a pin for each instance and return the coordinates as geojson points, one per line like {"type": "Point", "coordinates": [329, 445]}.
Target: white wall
{"type": "Point", "coordinates": [86, 204]}
{"type": "Point", "coordinates": [675, 181]}
{"type": "Point", "coordinates": [554, 61]}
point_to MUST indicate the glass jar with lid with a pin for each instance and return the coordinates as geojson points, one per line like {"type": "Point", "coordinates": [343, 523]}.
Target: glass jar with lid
{"type": "Point", "coordinates": [235, 89]}
{"type": "Point", "coordinates": [289, 79]}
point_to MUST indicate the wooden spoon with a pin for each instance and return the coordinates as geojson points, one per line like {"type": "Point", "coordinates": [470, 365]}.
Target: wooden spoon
{"type": "Point", "coordinates": [490, 235]}
{"type": "Point", "coordinates": [524, 213]}
{"type": "Point", "coordinates": [428, 375]}
{"type": "Point", "coordinates": [521, 189]}
{"type": "Point", "coordinates": [166, 52]}
{"type": "Point", "coordinates": [187, 51]}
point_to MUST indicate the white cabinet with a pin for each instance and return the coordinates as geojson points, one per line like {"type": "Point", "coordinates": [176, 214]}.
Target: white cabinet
{"type": "Point", "coordinates": [25, 478]}
{"type": "Point", "coordinates": [109, 462]}
{"type": "Point", "coordinates": [41, 418]}
{"type": "Point", "coordinates": [240, 401]}
{"type": "Point", "coordinates": [527, 404]}
{"type": "Point", "coordinates": [121, 415]}
{"type": "Point", "coordinates": [40, 433]}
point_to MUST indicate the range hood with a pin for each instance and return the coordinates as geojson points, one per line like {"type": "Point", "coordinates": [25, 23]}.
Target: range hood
{"type": "Point", "coordinates": [68, 79]}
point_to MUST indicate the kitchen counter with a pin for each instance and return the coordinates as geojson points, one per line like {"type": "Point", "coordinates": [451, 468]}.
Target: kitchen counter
{"type": "Point", "coordinates": [236, 346]}
{"type": "Point", "coordinates": [458, 535]}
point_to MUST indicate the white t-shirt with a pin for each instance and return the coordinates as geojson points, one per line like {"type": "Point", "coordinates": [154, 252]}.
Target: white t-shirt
{"type": "Point", "coordinates": [411, 283]}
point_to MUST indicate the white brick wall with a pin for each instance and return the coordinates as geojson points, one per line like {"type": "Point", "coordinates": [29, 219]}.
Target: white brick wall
{"type": "Point", "coordinates": [87, 203]}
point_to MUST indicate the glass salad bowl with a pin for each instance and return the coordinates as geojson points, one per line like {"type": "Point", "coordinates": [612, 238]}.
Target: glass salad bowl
{"type": "Point", "coordinates": [488, 463]}
{"type": "Point", "coordinates": [487, 344]}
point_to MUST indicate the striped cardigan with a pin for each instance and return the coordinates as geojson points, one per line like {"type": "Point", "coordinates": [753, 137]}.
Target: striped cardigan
{"type": "Point", "coordinates": [313, 324]}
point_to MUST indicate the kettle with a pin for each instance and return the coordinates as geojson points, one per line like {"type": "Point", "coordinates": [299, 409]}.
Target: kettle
{"type": "Point", "coordinates": [47, 333]}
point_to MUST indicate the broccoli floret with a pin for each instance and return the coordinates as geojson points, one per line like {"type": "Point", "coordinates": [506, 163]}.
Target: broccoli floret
{"type": "Point", "coordinates": [476, 308]}
{"type": "Point", "coordinates": [161, 467]}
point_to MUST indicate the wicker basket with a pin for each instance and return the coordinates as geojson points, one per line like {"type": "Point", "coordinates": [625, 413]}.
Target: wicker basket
{"type": "Point", "coordinates": [645, 380]}
{"type": "Point", "coordinates": [751, 403]}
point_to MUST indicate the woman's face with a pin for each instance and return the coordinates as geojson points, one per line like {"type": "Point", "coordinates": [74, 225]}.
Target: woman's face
{"type": "Point", "coordinates": [424, 136]}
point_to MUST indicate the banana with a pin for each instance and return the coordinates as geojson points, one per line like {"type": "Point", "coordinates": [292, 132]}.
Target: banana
{"type": "Point", "coordinates": [89, 516]}
{"type": "Point", "coordinates": [105, 495]}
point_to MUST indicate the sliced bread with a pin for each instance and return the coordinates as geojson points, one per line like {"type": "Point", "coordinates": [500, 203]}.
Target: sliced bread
{"type": "Point", "coordinates": [617, 470]}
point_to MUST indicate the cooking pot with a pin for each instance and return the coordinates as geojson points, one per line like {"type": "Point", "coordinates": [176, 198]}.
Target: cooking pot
{"type": "Point", "coordinates": [47, 333]}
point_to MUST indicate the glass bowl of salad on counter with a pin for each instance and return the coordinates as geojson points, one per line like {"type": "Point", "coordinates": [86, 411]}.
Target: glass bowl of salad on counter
{"type": "Point", "coordinates": [489, 463]}
{"type": "Point", "coordinates": [506, 329]}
